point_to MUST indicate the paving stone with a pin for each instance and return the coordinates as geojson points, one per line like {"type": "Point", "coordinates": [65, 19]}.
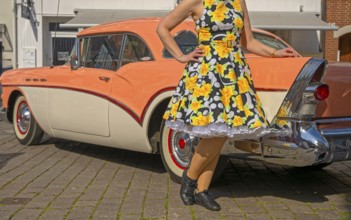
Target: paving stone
{"type": "Point", "coordinates": [258, 217]}
{"type": "Point", "coordinates": [27, 214]}
{"type": "Point", "coordinates": [307, 216]}
{"type": "Point", "coordinates": [63, 178]}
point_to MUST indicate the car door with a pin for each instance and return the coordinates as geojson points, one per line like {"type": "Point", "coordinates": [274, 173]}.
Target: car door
{"type": "Point", "coordinates": [79, 100]}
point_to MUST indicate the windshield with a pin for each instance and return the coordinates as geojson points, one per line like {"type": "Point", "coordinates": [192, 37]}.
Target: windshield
{"type": "Point", "coordinates": [73, 53]}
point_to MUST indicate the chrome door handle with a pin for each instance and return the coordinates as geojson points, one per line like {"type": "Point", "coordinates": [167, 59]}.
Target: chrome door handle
{"type": "Point", "coordinates": [104, 78]}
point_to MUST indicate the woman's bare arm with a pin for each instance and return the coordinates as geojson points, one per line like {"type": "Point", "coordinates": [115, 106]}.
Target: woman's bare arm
{"type": "Point", "coordinates": [257, 47]}
{"type": "Point", "coordinates": [185, 9]}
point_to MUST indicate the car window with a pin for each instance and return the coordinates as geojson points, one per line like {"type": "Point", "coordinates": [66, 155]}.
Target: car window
{"type": "Point", "coordinates": [270, 41]}
{"type": "Point", "coordinates": [103, 52]}
{"type": "Point", "coordinates": [187, 42]}
{"type": "Point", "coordinates": [135, 50]}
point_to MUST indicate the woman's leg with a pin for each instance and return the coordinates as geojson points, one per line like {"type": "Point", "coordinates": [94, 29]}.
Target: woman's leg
{"type": "Point", "coordinates": [205, 159]}
{"type": "Point", "coordinates": [204, 180]}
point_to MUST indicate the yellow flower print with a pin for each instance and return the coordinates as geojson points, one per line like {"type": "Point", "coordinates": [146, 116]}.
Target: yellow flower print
{"type": "Point", "coordinates": [231, 75]}
{"type": "Point", "coordinates": [238, 59]}
{"type": "Point", "coordinates": [166, 115]}
{"type": "Point", "coordinates": [225, 116]}
{"type": "Point", "coordinates": [204, 69]}
{"type": "Point", "coordinates": [222, 50]}
{"type": "Point", "coordinates": [204, 34]}
{"type": "Point", "coordinates": [248, 111]}
{"type": "Point", "coordinates": [243, 85]}
{"type": "Point", "coordinates": [260, 112]}
{"type": "Point", "coordinates": [220, 69]}
{"type": "Point", "coordinates": [198, 91]}
{"type": "Point", "coordinates": [174, 109]}
{"type": "Point", "coordinates": [257, 124]}
{"type": "Point", "coordinates": [239, 103]}
{"type": "Point", "coordinates": [209, 3]}
{"type": "Point", "coordinates": [258, 101]}
{"type": "Point", "coordinates": [236, 5]}
{"type": "Point", "coordinates": [227, 93]}
{"type": "Point", "coordinates": [281, 123]}
{"type": "Point", "coordinates": [238, 121]}
{"type": "Point", "coordinates": [195, 105]}
{"type": "Point", "coordinates": [239, 23]}
{"type": "Point", "coordinates": [190, 83]}
{"type": "Point", "coordinates": [231, 37]}
{"type": "Point", "coordinates": [206, 49]}
{"type": "Point", "coordinates": [201, 120]}
{"type": "Point", "coordinates": [220, 12]}
{"type": "Point", "coordinates": [182, 104]}
{"type": "Point", "coordinates": [248, 76]}
{"type": "Point", "coordinates": [221, 8]}
{"type": "Point", "coordinates": [207, 88]}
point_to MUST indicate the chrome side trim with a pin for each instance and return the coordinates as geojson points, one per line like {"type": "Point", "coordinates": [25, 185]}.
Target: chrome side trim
{"type": "Point", "coordinates": [305, 146]}
{"type": "Point", "coordinates": [342, 132]}
{"type": "Point", "coordinates": [332, 120]}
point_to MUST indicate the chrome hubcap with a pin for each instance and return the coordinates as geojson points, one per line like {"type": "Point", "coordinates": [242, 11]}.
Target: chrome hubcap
{"type": "Point", "coordinates": [23, 118]}
{"type": "Point", "coordinates": [183, 147]}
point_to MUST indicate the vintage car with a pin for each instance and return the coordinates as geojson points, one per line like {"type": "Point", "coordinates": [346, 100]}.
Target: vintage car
{"type": "Point", "coordinates": [119, 80]}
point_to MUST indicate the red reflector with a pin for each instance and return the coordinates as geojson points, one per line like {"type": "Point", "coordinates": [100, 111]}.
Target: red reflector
{"type": "Point", "coordinates": [322, 92]}
{"type": "Point", "coordinates": [181, 143]}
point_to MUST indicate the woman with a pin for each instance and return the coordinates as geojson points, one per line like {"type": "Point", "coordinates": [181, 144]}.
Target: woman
{"type": "Point", "coordinates": [215, 98]}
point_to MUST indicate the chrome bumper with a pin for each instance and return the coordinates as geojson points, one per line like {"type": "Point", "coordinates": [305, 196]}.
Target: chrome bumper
{"type": "Point", "coordinates": [3, 115]}
{"type": "Point", "coordinates": [305, 146]}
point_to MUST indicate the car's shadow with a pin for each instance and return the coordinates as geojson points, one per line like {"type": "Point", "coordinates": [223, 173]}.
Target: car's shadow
{"type": "Point", "coordinates": [242, 178]}
{"type": "Point", "coordinates": [150, 162]}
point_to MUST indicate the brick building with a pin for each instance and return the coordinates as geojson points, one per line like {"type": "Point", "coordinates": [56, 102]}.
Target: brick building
{"type": "Point", "coordinates": [338, 43]}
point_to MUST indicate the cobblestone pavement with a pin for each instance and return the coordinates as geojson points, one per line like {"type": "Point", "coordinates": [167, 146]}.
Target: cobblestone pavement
{"type": "Point", "coordinates": [68, 180]}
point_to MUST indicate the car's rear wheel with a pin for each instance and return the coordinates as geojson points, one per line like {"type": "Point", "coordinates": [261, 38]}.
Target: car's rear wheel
{"type": "Point", "coordinates": [177, 149]}
{"type": "Point", "coordinates": [26, 129]}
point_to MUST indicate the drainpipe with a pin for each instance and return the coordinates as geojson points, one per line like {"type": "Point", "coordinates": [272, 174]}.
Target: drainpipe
{"type": "Point", "coordinates": [15, 19]}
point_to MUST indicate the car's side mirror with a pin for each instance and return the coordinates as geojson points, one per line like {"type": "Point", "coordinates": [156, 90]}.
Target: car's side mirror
{"type": "Point", "coordinates": [74, 63]}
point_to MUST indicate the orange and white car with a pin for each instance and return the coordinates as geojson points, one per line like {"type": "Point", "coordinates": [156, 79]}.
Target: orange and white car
{"type": "Point", "coordinates": [119, 80]}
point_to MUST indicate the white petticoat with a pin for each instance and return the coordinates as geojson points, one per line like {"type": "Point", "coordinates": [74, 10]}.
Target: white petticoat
{"type": "Point", "coordinates": [222, 130]}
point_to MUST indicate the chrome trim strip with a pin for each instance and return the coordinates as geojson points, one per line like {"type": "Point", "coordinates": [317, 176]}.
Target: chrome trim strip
{"type": "Point", "coordinates": [337, 132]}
{"type": "Point", "coordinates": [332, 120]}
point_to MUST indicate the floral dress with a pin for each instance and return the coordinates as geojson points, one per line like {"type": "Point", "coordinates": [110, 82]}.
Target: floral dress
{"type": "Point", "coordinates": [216, 96]}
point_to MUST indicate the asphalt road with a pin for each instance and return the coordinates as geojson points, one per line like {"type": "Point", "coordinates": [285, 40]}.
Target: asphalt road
{"type": "Point", "coordinates": [61, 179]}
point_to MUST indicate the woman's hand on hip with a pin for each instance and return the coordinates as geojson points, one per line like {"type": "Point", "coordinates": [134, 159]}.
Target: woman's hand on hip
{"type": "Point", "coordinates": [193, 56]}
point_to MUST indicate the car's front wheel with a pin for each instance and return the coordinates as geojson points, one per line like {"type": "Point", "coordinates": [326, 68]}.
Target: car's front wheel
{"type": "Point", "coordinates": [26, 129]}
{"type": "Point", "coordinates": [177, 149]}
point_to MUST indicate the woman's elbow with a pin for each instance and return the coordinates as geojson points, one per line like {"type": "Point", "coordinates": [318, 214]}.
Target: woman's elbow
{"type": "Point", "coordinates": [160, 29]}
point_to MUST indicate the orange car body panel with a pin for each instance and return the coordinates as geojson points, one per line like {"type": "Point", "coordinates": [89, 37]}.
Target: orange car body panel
{"type": "Point", "coordinates": [131, 86]}
{"type": "Point", "coordinates": [338, 103]}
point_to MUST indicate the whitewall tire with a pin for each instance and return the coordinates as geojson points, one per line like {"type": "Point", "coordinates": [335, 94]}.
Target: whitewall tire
{"type": "Point", "coordinates": [177, 149]}
{"type": "Point", "coordinates": [26, 129]}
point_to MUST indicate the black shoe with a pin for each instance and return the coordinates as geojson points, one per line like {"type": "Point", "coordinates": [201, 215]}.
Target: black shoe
{"type": "Point", "coordinates": [187, 189]}
{"type": "Point", "coordinates": [206, 200]}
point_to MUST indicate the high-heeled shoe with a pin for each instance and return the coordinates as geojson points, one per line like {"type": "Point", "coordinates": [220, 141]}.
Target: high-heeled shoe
{"type": "Point", "coordinates": [206, 200]}
{"type": "Point", "coordinates": [187, 189]}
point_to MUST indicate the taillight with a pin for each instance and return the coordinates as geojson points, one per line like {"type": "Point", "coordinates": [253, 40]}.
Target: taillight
{"type": "Point", "coordinates": [322, 92]}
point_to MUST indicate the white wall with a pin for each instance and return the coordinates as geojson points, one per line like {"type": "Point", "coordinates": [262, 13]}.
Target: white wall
{"type": "Point", "coordinates": [67, 6]}
{"type": "Point", "coordinates": [284, 5]}
{"type": "Point", "coordinates": [6, 17]}
{"type": "Point", "coordinates": [38, 37]}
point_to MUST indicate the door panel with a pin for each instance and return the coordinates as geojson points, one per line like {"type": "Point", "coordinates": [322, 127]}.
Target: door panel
{"type": "Point", "coordinates": [78, 101]}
